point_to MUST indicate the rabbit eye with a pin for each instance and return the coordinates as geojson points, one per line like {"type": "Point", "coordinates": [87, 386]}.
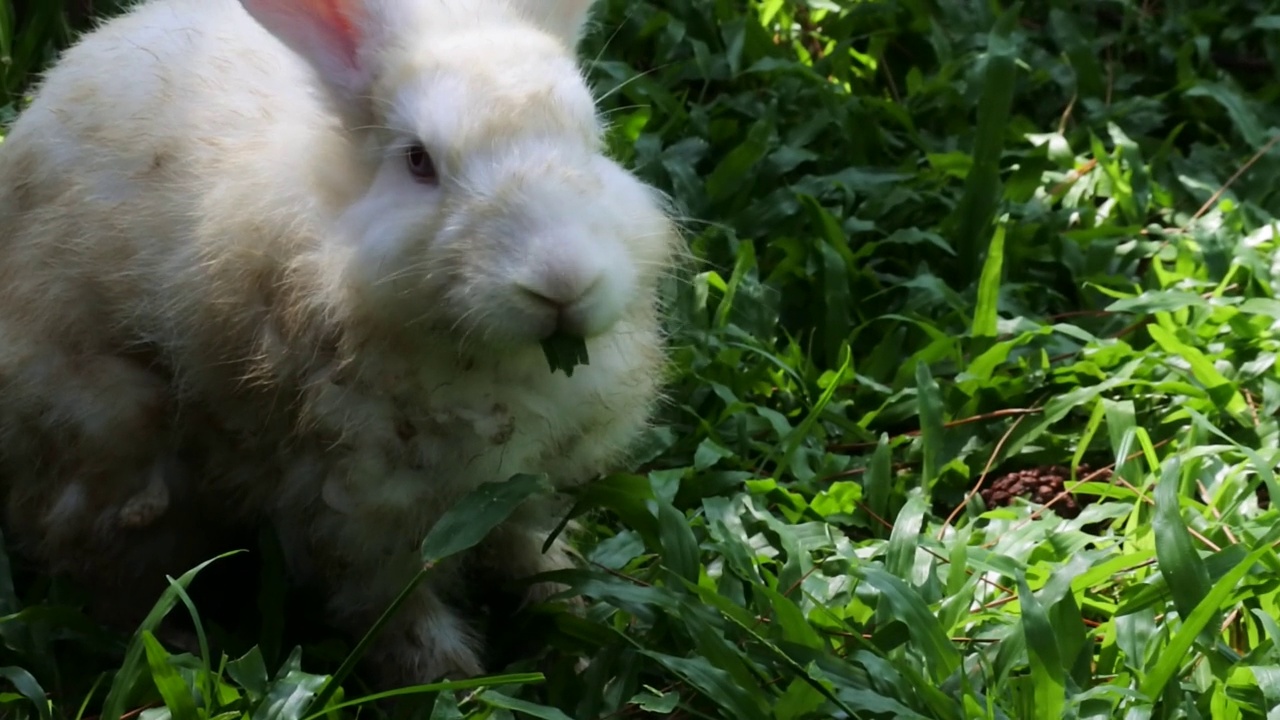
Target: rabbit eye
{"type": "Point", "coordinates": [421, 165]}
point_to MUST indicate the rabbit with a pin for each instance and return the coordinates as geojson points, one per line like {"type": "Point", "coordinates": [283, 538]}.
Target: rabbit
{"type": "Point", "coordinates": [291, 262]}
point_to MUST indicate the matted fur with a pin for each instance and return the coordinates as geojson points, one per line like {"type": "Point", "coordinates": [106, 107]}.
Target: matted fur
{"type": "Point", "coordinates": [224, 299]}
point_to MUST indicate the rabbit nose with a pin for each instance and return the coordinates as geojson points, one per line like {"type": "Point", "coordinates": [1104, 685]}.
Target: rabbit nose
{"type": "Point", "coordinates": [566, 301]}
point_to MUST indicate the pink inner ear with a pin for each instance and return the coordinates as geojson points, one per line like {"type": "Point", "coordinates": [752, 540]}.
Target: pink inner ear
{"type": "Point", "coordinates": [327, 33]}
{"type": "Point", "coordinates": [336, 15]}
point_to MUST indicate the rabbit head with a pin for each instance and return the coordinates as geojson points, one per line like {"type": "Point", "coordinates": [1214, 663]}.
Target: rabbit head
{"type": "Point", "coordinates": [490, 209]}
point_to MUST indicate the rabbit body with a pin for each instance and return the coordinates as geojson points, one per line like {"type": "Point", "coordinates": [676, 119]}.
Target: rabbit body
{"type": "Point", "coordinates": [226, 297]}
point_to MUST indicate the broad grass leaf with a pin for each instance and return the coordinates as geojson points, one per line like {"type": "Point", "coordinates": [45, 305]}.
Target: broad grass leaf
{"type": "Point", "coordinates": [958, 558]}
{"type": "Point", "coordinates": [30, 689]}
{"type": "Point", "coordinates": [744, 703]}
{"type": "Point", "coordinates": [979, 371]}
{"type": "Point", "coordinates": [712, 644]}
{"type": "Point", "coordinates": [734, 170]}
{"type": "Point", "coordinates": [446, 707]}
{"type": "Point", "coordinates": [1090, 81]}
{"type": "Point", "coordinates": [956, 613]}
{"type": "Point", "coordinates": [879, 486]}
{"type": "Point", "coordinates": [900, 553]}
{"type": "Point", "coordinates": [1152, 301]}
{"type": "Point", "coordinates": [9, 603]}
{"type": "Point", "coordinates": [905, 604]}
{"type": "Point", "coordinates": [985, 318]}
{"type": "Point", "coordinates": [1139, 179]}
{"type": "Point", "coordinates": [6, 35]}
{"type": "Point", "coordinates": [654, 702]}
{"type": "Point", "coordinates": [1244, 117]}
{"type": "Point", "coordinates": [1096, 417]}
{"type": "Point", "coordinates": [177, 695]}
{"type": "Point", "coordinates": [837, 301]}
{"type": "Point", "coordinates": [1202, 620]}
{"type": "Point", "coordinates": [625, 495]}
{"type": "Point", "coordinates": [797, 701]}
{"type": "Point", "coordinates": [1268, 678]}
{"type": "Point", "coordinates": [1121, 418]}
{"type": "Point", "coordinates": [1047, 672]}
{"type": "Point", "coordinates": [129, 675]}
{"type": "Point", "coordinates": [869, 700]}
{"type": "Point", "coordinates": [1074, 638]}
{"type": "Point", "coordinates": [680, 552]}
{"type": "Point", "coordinates": [726, 530]}
{"type": "Point", "coordinates": [744, 264]}
{"type": "Point", "coordinates": [929, 399]}
{"type": "Point", "coordinates": [638, 600]}
{"type": "Point", "coordinates": [250, 672]}
{"type": "Point", "coordinates": [1099, 571]}
{"type": "Point", "coordinates": [22, 637]}
{"type": "Point", "coordinates": [1060, 405]}
{"type": "Point", "coordinates": [291, 693]}
{"type": "Point", "coordinates": [804, 431]}
{"type": "Point", "coordinates": [791, 621]}
{"type": "Point", "coordinates": [799, 561]}
{"type": "Point", "coordinates": [206, 673]}
{"type": "Point", "coordinates": [1177, 559]}
{"type": "Point", "coordinates": [982, 187]}
{"type": "Point", "coordinates": [913, 688]}
{"type": "Point", "coordinates": [1271, 626]}
{"type": "Point", "coordinates": [1205, 373]}
{"type": "Point", "coordinates": [1257, 464]}
{"type": "Point", "coordinates": [469, 521]}
{"type": "Point", "coordinates": [497, 699]}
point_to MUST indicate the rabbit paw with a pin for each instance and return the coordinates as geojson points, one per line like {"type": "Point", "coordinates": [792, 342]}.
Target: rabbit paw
{"type": "Point", "coordinates": [435, 647]}
{"type": "Point", "coordinates": [148, 505]}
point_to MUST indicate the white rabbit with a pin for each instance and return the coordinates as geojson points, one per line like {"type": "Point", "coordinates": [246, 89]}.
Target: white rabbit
{"type": "Point", "coordinates": [291, 261]}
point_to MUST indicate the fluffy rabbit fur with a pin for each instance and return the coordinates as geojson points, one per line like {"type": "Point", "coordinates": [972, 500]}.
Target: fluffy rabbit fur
{"type": "Point", "coordinates": [291, 261]}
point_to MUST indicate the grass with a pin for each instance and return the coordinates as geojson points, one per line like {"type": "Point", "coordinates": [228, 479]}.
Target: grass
{"type": "Point", "coordinates": [939, 243]}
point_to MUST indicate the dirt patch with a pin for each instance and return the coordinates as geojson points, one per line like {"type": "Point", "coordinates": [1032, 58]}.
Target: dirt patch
{"type": "Point", "coordinates": [1042, 486]}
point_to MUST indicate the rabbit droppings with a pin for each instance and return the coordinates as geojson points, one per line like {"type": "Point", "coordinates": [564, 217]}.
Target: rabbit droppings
{"type": "Point", "coordinates": [291, 261]}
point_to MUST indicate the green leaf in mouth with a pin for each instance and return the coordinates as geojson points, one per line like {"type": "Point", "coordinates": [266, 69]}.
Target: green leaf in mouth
{"type": "Point", "coordinates": [565, 352]}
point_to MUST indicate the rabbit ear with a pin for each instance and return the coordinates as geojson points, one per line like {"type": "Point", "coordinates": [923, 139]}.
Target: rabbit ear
{"type": "Point", "coordinates": [328, 34]}
{"type": "Point", "coordinates": [566, 19]}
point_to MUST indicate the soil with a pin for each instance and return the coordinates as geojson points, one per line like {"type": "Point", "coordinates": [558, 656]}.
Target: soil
{"type": "Point", "coordinates": [1043, 486]}
{"type": "Point", "coordinates": [1047, 485]}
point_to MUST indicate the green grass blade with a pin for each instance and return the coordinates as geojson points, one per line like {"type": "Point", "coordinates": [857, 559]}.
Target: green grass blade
{"type": "Point", "coordinates": [477, 513]}
{"type": "Point", "coordinates": [714, 683]}
{"type": "Point", "coordinates": [1201, 619]}
{"type": "Point", "coordinates": [129, 674]}
{"type": "Point", "coordinates": [1183, 569]}
{"type": "Point", "coordinates": [497, 699]}
{"type": "Point", "coordinates": [973, 217]}
{"type": "Point", "coordinates": [900, 553]}
{"type": "Point", "coordinates": [444, 688]}
{"type": "Point", "coordinates": [1048, 675]}
{"type": "Point", "coordinates": [1205, 372]}
{"type": "Point", "coordinates": [30, 689]}
{"type": "Point", "coordinates": [905, 605]}
{"type": "Point", "coordinates": [177, 695]}
{"type": "Point", "coordinates": [879, 485]}
{"type": "Point", "coordinates": [985, 318]}
{"type": "Point", "coordinates": [208, 676]}
{"type": "Point", "coordinates": [680, 552]}
{"type": "Point", "coordinates": [930, 407]}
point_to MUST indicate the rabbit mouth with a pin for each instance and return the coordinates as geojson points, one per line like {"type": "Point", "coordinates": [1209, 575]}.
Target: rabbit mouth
{"type": "Point", "coordinates": [575, 314]}
{"type": "Point", "coordinates": [531, 320]}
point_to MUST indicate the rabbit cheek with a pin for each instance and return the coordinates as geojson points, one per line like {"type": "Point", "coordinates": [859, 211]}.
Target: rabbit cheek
{"type": "Point", "coordinates": [390, 229]}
